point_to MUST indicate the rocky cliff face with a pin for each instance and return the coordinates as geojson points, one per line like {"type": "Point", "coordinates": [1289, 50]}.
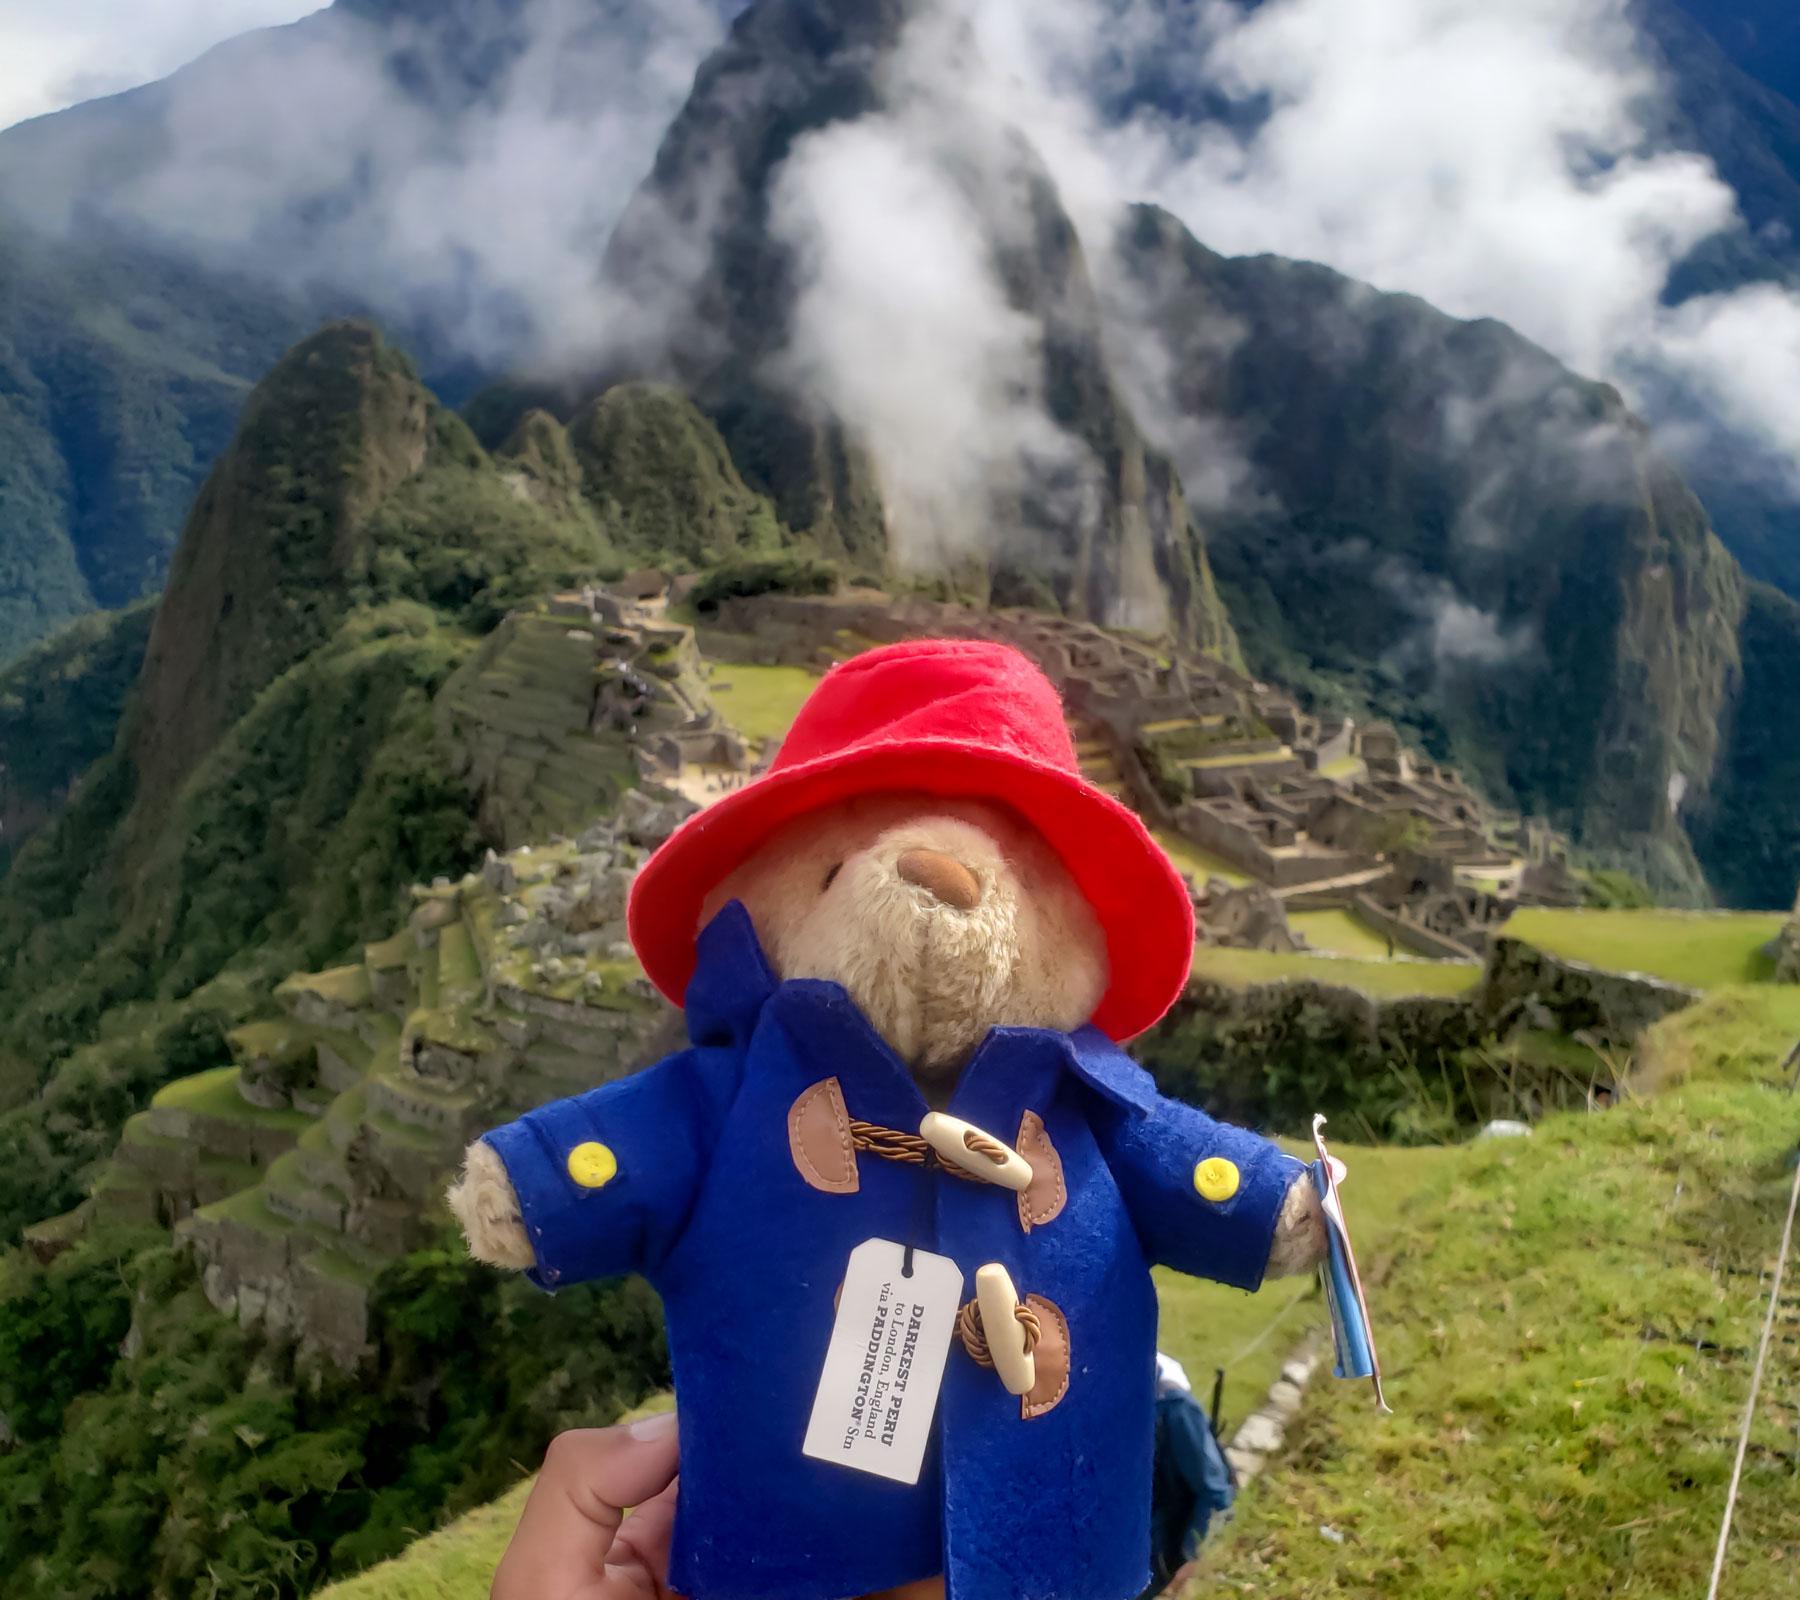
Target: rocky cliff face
{"type": "Point", "coordinates": [1747, 827]}
{"type": "Point", "coordinates": [1441, 511]}
{"type": "Point", "coordinates": [728, 258]}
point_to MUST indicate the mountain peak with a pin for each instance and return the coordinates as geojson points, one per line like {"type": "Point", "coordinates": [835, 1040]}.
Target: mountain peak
{"type": "Point", "coordinates": [259, 576]}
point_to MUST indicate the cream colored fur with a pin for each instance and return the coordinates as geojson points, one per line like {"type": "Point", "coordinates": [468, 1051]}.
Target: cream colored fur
{"type": "Point", "coordinates": [828, 902]}
{"type": "Point", "coordinates": [932, 979]}
{"type": "Point", "coordinates": [1299, 1232]}
{"type": "Point", "coordinates": [483, 1201]}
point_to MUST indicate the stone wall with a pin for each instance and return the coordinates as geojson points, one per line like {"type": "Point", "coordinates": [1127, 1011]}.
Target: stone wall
{"type": "Point", "coordinates": [1787, 948]}
{"type": "Point", "coordinates": [1240, 845]}
{"type": "Point", "coordinates": [1523, 983]}
{"type": "Point", "coordinates": [1408, 934]}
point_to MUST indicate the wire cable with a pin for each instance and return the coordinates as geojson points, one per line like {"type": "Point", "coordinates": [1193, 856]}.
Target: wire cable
{"type": "Point", "coordinates": [1762, 1352]}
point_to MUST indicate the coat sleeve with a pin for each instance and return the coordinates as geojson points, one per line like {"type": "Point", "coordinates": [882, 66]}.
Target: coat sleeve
{"type": "Point", "coordinates": [1204, 1196]}
{"type": "Point", "coordinates": [606, 1180]}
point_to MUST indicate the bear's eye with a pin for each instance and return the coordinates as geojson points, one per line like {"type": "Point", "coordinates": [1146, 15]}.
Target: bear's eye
{"type": "Point", "coordinates": [831, 877]}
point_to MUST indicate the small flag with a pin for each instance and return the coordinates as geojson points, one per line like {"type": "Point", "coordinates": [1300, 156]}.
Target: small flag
{"type": "Point", "coordinates": [1352, 1338]}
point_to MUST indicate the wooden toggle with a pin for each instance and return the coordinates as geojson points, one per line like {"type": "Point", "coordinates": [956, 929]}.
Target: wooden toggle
{"type": "Point", "coordinates": [979, 1154]}
{"type": "Point", "coordinates": [1007, 1342]}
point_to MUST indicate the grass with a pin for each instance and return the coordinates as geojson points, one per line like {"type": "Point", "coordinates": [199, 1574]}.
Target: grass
{"type": "Point", "coordinates": [215, 1094]}
{"type": "Point", "coordinates": [1344, 768]}
{"type": "Point", "coordinates": [387, 954]}
{"type": "Point", "coordinates": [1731, 1035]}
{"type": "Point", "coordinates": [345, 986]}
{"type": "Point", "coordinates": [459, 971]}
{"type": "Point", "coordinates": [1205, 1326]}
{"type": "Point", "coordinates": [1342, 933]}
{"type": "Point", "coordinates": [281, 1040]}
{"type": "Point", "coordinates": [457, 1562]}
{"type": "Point", "coordinates": [1197, 863]}
{"type": "Point", "coordinates": [1568, 1335]}
{"type": "Point", "coordinates": [1252, 758]}
{"type": "Point", "coordinates": [1700, 949]}
{"type": "Point", "coordinates": [1244, 969]}
{"type": "Point", "coordinates": [761, 702]}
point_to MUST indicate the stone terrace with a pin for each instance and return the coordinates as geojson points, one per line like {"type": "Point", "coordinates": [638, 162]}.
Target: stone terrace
{"type": "Point", "coordinates": [321, 1155]}
{"type": "Point", "coordinates": [1323, 812]}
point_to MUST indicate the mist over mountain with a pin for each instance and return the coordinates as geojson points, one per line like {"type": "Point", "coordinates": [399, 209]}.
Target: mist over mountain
{"type": "Point", "coordinates": [879, 243]}
{"type": "Point", "coordinates": [453, 169]}
{"type": "Point", "coordinates": [456, 170]}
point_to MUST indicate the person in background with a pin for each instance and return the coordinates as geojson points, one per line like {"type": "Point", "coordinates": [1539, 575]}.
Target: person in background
{"type": "Point", "coordinates": [1191, 1481]}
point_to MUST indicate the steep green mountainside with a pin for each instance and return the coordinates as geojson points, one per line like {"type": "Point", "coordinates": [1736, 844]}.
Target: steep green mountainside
{"type": "Point", "coordinates": [1438, 514]}
{"type": "Point", "coordinates": [60, 706]}
{"type": "Point", "coordinates": [160, 248]}
{"type": "Point", "coordinates": [121, 373]}
{"type": "Point", "coordinates": [1748, 830]}
{"type": "Point", "coordinates": [263, 805]}
{"type": "Point", "coordinates": [1073, 507]}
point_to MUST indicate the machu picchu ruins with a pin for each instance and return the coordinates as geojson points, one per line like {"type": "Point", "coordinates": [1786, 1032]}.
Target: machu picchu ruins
{"type": "Point", "coordinates": [299, 1172]}
{"type": "Point", "coordinates": [586, 728]}
{"type": "Point", "coordinates": [1236, 777]}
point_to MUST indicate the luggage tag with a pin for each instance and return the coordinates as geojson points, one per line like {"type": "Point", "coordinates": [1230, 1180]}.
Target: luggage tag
{"type": "Point", "coordinates": [1353, 1340]}
{"type": "Point", "coordinates": [878, 1391]}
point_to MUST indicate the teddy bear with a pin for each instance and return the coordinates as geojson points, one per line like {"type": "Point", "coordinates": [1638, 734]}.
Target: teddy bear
{"type": "Point", "coordinates": [907, 954]}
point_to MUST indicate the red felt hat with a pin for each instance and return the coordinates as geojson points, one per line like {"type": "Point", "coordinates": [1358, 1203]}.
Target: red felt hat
{"type": "Point", "coordinates": [960, 718]}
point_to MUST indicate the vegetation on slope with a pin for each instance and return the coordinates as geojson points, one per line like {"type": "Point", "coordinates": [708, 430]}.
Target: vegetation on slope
{"type": "Point", "coordinates": [1699, 949]}
{"type": "Point", "coordinates": [1568, 1336]}
{"type": "Point", "coordinates": [294, 840]}
{"type": "Point", "coordinates": [59, 712]}
{"type": "Point", "coordinates": [123, 370]}
{"type": "Point", "coordinates": [1449, 524]}
{"type": "Point", "coordinates": [277, 781]}
{"type": "Point", "coordinates": [200, 1462]}
{"type": "Point", "coordinates": [1748, 829]}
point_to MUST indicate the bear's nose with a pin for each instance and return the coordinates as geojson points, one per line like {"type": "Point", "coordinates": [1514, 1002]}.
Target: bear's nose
{"type": "Point", "coordinates": [941, 875]}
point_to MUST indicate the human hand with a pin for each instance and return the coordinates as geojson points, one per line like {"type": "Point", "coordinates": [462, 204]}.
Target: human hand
{"type": "Point", "coordinates": [574, 1540]}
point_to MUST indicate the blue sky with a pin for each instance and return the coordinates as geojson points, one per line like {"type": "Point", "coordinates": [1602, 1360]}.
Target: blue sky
{"type": "Point", "coordinates": [56, 52]}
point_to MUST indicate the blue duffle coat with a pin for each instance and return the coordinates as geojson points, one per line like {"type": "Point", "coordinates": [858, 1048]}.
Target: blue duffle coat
{"type": "Point", "coordinates": [686, 1172]}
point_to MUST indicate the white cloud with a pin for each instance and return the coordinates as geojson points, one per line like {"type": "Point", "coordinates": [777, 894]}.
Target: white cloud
{"type": "Point", "coordinates": [304, 159]}
{"type": "Point", "coordinates": [1492, 156]}
{"type": "Point", "coordinates": [904, 328]}
{"type": "Point", "coordinates": [56, 52]}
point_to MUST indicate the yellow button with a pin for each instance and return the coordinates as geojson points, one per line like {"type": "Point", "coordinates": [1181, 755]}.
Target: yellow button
{"type": "Point", "coordinates": [593, 1165]}
{"type": "Point", "coordinates": [1216, 1178]}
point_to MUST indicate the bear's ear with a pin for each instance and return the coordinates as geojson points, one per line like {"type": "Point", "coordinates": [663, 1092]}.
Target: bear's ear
{"type": "Point", "coordinates": [483, 1201]}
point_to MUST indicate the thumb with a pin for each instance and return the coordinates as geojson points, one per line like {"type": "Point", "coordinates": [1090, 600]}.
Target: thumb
{"type": "Point", "coordinates": [573, 1513]}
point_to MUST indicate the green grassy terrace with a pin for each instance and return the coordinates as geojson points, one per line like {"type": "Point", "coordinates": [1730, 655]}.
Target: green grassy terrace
{"type": "Point", "coordinates": [1699, 948]}
{"type": "Point", "coordinates": [1340, 933]}
{"type": "Point", "coordinates": [1568, 1334]}
{"type": "Point", "coordinates": [1200, 864]}
{"type": "Point", "coordinates": [215, 1094]}
{"type": "Point", "coordinates": [1244, 969]}
{"type": "Point", "coordinates": [760, 702]}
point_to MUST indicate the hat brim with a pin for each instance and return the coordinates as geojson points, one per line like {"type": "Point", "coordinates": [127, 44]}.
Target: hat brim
{"type": "Point", "coordinates": [1140, 900]}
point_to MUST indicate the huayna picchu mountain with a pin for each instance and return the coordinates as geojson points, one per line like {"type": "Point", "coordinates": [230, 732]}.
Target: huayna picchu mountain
{"type": "Point", "coordinates": [252, 789]}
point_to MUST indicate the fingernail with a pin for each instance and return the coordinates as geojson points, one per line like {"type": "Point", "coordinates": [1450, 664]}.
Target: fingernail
{"type": "Point", "coordinates": [659, 1426]}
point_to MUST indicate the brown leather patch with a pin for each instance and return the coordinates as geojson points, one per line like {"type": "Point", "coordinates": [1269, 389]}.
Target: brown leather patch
{"type": "Point", "coordinates": [1043, 1200]}
{"type": "Point", "coordinates": [1051, 1356]}
{"type": "Point", "coordinates": [819, 1139]}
